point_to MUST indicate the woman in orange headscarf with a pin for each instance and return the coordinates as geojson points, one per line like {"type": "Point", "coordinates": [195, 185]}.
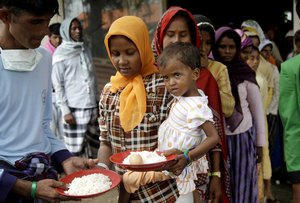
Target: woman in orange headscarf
{"type": "Point", "coordinates": [134, 103]}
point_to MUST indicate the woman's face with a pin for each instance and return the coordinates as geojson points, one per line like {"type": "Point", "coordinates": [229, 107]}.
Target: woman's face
{"type": "Point", "coordinates": [125, 56]}
{"type": "Point", "coordinates": [266, 52]}
{"type": "Point", "coordinates": [255, 40]}
{"type": "Point", "coordinates": [245, 53]}
{"type": "Point", "coordinates": [253, 60]}
{"type": "Point", "coordinates": [206, 42]}
{"type": "Point", "coordinates": [205, 48]}
{"type": "Point", "coordinates": [177, 31]}
{"type": "Point", "coordinates": [227, 49]}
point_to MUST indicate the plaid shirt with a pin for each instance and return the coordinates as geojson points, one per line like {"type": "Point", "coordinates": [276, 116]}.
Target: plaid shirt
{"type": "Point", "coordinates": [142, 137]}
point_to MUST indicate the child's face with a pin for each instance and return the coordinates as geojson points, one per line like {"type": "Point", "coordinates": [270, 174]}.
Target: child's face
{"type": "Point", "coordinates": [55, 40]}
{"type": "Point", "coordinates": [177, 31]}
{"type": "Point", "coordinates": [180, 79]}
{"type": "Point", "coordinates": [125, 56]}
{"type": "Point", "coordinates": [253, 60]}
{"type": "Point", "coordinates": [227, 49]}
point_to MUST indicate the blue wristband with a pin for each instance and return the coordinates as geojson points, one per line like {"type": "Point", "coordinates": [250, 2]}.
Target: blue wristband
{"type": "Point", "coordinates": [185, 154]}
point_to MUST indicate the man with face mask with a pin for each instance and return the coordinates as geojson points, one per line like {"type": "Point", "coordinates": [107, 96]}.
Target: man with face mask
{"type": "Point", "coordinates": [30, 154]}
{"type": "Point", "coordinates": [76, 92]}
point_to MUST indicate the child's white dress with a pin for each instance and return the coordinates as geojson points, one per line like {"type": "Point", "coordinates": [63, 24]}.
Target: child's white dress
{"type": "Point", "coordinates": [182, 130]}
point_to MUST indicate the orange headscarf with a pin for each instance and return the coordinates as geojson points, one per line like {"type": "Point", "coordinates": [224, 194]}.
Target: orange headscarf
{"type": "Point", "coordinates": [133, 95]}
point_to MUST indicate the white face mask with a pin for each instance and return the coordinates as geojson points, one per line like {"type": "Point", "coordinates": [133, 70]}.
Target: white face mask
{"type": "Point", "coordinates": [20, 59]}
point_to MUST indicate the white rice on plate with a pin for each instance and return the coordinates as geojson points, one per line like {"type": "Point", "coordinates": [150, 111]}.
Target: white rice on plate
{"type": "Point", "coordinates": [89, 184]}
{"type": "Point", "coordinates": [148, 157]}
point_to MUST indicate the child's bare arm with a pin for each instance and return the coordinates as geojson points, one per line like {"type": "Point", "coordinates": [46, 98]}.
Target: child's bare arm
{"type": "Point", "coordinates": [199, 151]}
{"type": "Point", "coordinates": [211, 140]}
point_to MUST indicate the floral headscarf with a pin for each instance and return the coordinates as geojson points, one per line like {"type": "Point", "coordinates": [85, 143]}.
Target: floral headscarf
{"type": "Point", "coordinates": [133, 96]}
{"type": "Point", "coordinates": [253, 27]}
{"type": "Point", "coordinates": [245, 40]}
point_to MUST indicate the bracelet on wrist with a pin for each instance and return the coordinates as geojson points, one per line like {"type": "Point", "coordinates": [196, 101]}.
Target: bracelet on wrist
{"type": "Point", "coordinates": [216, 173]}
{"type": "Point", "coordinates": [187, 157]}
{"type": "Point", "coordinates": [103, 165]}
{"type": "Point", "coordinates": [33, 189]}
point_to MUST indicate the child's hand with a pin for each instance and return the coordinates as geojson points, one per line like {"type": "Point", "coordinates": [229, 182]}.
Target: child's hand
{"type": "Point", "coordinates": [179, 164]}
{"type": "Point", "coordinates": [171, 164]}
{"type": "Point", "coordinates": [171, 151]}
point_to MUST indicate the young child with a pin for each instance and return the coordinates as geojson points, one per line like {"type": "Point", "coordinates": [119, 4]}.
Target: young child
{"type": "Point", "coordinates": [54, 38]}
{"type": "Point", "coordinates": [189, 128]}
{"type": "Point", "coordinates": [56, 125]}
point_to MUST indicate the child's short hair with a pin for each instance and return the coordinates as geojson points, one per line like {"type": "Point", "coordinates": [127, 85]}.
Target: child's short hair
{"type": "Point", "coordinates": [54, 29]}
{"type": "Point", "coordinates": [185, 52]}
{"type": "Point", "coordinates": [35, 7]}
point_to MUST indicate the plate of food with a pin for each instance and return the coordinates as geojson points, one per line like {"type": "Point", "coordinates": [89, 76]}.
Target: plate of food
{"type": "Point", "coordinates": [89, 183]}
{"type": "Point", "coordinates": [141, 160]}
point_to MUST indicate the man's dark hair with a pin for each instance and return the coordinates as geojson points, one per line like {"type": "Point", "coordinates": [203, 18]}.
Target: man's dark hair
{"type": "Point", "coordinates": [35, 7]}
{"type": "Point", "coordinates": [54, 28]}
{"type": "Point", "coordinates": [185, 52]}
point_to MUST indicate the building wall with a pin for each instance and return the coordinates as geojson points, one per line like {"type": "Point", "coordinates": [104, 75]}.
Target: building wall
{"type": "Point", "coordinates": [96, 18]}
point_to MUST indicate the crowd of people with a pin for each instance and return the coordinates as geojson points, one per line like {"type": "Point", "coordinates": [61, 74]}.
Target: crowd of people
{"type": "Point", "coordinates": [223, 100]}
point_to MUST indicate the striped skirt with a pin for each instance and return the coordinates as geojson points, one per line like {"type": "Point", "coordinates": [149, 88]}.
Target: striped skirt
{"type": "Point", "coordinates": [242, 166]}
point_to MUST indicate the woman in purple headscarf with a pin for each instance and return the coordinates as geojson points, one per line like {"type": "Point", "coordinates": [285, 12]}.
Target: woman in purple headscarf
{"type": "Point", "coordinates": [245, 128]}
{"type": "Point", "coordinates": [246, 45]}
